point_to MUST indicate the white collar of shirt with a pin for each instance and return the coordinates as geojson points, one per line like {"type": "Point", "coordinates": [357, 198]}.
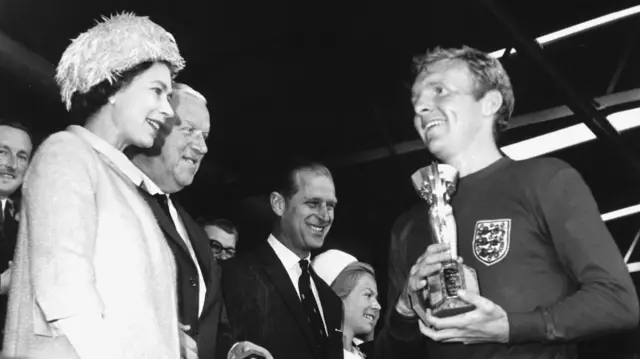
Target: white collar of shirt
{"type": "Point", "coordinates": [113, 154]}
{"type": "Point", "coordinates": [287, 257]}
{"type": "Point", "coordinates": [149, 185]}
{"type": "Point", "coordinates": [4, 203]}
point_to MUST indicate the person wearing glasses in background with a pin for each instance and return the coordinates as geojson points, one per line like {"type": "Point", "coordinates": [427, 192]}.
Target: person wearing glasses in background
{"type": "Point", "coordinates": [223, 237]}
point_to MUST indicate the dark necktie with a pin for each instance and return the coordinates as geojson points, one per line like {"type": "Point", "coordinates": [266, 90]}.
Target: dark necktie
{"type": "Point", "coordinates": [6, 217]}
{"type": "Point", "coordinates": [311, 307]}
{"type": "Point", "coordinates": [163, 201]}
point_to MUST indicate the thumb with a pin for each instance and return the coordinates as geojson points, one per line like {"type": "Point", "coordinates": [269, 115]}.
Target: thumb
{"type": "Point", "coordinates": [184, 327]}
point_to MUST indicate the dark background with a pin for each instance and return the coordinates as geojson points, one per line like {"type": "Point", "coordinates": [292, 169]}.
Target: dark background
{"type": "Point", "coordinates": [330, 79]}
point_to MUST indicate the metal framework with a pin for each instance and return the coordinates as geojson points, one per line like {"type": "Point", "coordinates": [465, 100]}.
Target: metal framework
{"type": "Point", "coordinates": [604, 103]}
{"type": "Point", "coordinates": [580, 105]}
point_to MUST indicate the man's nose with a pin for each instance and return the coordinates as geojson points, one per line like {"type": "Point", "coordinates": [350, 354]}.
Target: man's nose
{"type": "Point", "coordinates": [376, 304]}
{"type": "Point", "coordinates": [423, 105]}
{"type": "Point", "coordinates": [9, 161]}
{"type": "Point", "coordinates": [200, 144]}
{"type": "Point", "coordinates": [323, 212]}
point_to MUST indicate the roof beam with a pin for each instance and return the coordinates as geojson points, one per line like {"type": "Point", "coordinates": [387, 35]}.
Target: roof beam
{"type": "Point", "coordinates": [595, 121]}
{"type": "Point", "coordinates": [27, 67]}
{"type": "Point", "coordinates": [554, 113]}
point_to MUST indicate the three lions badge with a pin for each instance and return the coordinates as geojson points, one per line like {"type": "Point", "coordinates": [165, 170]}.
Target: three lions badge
{"type": "Point", "coordinates": [491, 240]}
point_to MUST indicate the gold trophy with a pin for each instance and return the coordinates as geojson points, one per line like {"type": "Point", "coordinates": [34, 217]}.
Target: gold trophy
{"type": "Point", "coordinates": [436, 184]}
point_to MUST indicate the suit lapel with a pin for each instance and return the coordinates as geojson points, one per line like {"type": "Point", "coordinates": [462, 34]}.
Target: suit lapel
{"type": "Point", "coordinates": [166, 224]}
{"type": "Point", "coordinates": [281, 280]}
{"type": "Point", "coordinates": [199, 242]}
{"type": "Point", "coordinates": [211, 271]}
{"type": "Point", "coordinates": [332, 308]}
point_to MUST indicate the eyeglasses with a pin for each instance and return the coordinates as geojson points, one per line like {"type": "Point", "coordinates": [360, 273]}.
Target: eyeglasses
{"type": "Point", "coordinates": [218, 248]}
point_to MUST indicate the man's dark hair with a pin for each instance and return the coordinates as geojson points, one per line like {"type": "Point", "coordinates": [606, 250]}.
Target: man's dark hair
{"type": "Point", "coordinates": [224, 224]}
{"type": "Point", "coordinates": [286, 182]}
{"type": "Point", "coordinates": [14, 123]}
{"type": "Point", "coordinates": [84, 105]}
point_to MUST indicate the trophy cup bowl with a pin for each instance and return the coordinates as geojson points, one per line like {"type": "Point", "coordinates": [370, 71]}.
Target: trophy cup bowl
{"type": "Point", "coordinates": [436, 184]}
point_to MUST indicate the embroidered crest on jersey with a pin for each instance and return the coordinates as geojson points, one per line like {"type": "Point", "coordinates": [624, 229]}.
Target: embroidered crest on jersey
{"type": "Point", "coordinates": [491, 240]}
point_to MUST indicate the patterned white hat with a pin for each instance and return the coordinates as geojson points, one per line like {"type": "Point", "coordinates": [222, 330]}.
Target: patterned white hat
{"type": "Point", "coordinates": [329, 264]}
{"type": "Point", "coordinates": [111, 47]}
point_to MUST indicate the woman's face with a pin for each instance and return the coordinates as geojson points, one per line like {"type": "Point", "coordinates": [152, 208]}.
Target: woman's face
{"type": "Point", "coordinates": [142, 107]}
{"type": "Point", "coordinates": [361, 307]}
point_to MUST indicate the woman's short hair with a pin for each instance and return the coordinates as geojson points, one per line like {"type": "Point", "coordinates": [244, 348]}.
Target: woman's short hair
{"type": "Point", "coordinates": [347, 279]}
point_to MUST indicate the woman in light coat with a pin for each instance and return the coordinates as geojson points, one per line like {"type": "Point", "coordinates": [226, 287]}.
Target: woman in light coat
{"type": "Point", "coordinates": [93, 276]}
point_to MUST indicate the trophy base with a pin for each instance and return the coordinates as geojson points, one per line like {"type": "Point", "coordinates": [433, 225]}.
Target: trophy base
{"type": "Point", "coordinates": [442, 296]}
{"type": "Point", "coordinates": [450, 307]}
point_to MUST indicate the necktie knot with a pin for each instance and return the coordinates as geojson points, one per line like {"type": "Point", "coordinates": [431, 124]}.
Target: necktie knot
{"type": "Point", "coordinates": [304, 265]}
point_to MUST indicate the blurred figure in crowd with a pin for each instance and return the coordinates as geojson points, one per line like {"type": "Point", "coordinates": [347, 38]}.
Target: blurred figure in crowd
{"type": "Point", "coordinates": [223, 237]}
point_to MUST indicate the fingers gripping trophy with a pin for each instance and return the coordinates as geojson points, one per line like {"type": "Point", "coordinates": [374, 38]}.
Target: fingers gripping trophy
{"type": "Point", "coordinates": [436, 184]}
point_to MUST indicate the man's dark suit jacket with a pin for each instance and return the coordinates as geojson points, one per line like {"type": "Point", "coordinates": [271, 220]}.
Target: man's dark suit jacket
{"type": "Point", "coordinates": [8, 235]}
{"type": "Point", "coordinates": [264, 307]}
{"type": "Point", "coordinates": [210, 330]}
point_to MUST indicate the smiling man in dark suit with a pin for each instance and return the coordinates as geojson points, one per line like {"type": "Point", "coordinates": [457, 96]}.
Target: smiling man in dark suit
{"type": "Point", "coordinates": [167, 168]}
{"type": "Point", "coordinates": [273, 297]}
{"type": "Point", "coordinates": [16, 145]}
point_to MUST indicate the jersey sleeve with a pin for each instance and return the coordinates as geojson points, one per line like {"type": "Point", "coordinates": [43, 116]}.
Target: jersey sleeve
{"type": "Point", "coordinates": [606, 298]}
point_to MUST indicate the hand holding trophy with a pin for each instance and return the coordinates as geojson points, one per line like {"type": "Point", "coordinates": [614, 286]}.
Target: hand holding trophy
{"type": "Point", "coordinates": [436, 184]}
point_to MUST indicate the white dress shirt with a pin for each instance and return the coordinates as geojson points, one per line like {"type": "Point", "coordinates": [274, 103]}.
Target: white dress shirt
{"type": "Point", "coordinates": [153, 189]}
{"type": "Point", "coordinates": [290, 262]}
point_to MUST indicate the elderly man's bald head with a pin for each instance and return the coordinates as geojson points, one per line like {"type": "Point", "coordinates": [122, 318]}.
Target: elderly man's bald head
{"type": "Point", "coordinates": [187, 104]}
{"type": "Point", "coordinates": [180, 89]}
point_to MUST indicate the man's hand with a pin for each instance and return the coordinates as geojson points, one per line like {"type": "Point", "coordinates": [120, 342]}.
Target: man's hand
{"type": "Point", "coordinates": [428, 264]}
{"type": "Point", "coordinates": [188, 346]}
{"type": "Point", "coordinates": [242, 350]}
{"type": "Point", "coordinates": [487, 323]}
{"type": "Point", "coordinates": [5, 280]}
